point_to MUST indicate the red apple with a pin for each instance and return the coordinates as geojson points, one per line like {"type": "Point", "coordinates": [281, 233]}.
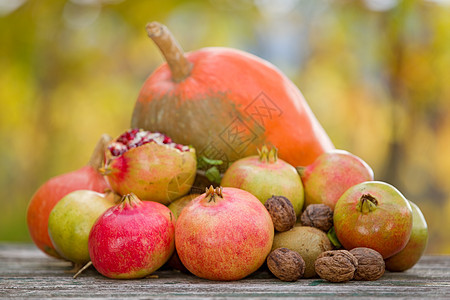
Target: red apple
{"type": "Point", "coordinates": [331, 174]}
{"type": "Point", "coordinates": [373, 214]}
{"type": "Point", "coordinates": [416, 246]}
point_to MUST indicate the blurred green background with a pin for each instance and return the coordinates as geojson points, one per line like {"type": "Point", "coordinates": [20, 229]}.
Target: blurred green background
{"type": "Point", "coordinates": [376, 73]}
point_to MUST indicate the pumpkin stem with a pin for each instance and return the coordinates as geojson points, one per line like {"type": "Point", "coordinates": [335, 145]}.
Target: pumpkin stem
{"type": "Point", "coordinates": [97, 157]}
{"type": "Point", "coordinates": [172, 51]}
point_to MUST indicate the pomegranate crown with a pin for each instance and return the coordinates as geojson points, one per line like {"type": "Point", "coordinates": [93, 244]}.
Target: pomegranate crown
{"type": "Point", "coordinates": [130, 200]}
{"type": "Point", "coordinates": [367, 203]}
{"type": "Point", "coordinates": [268, 155]}
{"type": "Point", "coordinates": [212, 193]}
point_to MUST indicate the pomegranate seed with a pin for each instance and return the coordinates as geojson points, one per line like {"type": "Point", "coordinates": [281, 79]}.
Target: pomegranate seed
{"type": "Point", "coordinates": [131, 146]}
{"type": "Point", "coordinates": [146, 139]}
{"type": "Point", "coordinates": [129, 137]}
{"type": "Point", "coordinates": [122, 139]}
{"type": "Point", "coordinates": [141, 134]}
{"type": "Point", "coordinates": [117, 149]}
{"type": "Point", "coordinates": [140, 143]}
{"type": "Point", "coordinates": [133, 138]}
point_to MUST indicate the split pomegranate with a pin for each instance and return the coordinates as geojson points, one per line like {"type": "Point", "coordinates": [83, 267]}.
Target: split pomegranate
{"type": "Point", "coordinates": [46, 197]}
{"type": "Point", "coordinates": [134, 138]}
{"type": "Point", "coordinates": [224, 234]}
{"type": "Point", "coordinates": [132, 239]}
{"type": "Point", "coordinates": [150, 165]}
{"type": "Point", "coordinates": [229, 102]}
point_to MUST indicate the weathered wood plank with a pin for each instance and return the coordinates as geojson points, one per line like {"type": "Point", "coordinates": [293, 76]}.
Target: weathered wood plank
{"type": "Point", "coordinates": [26, 272]}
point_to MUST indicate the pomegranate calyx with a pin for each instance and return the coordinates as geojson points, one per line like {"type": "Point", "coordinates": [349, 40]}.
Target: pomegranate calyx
{"type": "Point", "coordinates": [268, 156]}
{"type": "Point", "coordinates": [105, 169]}
{"type": "Point", "coordinates": [212, 194]}
{"type": "Point", "coordinates": [367, 203]}
{"type": "Point", "coordinates": [130, 200]}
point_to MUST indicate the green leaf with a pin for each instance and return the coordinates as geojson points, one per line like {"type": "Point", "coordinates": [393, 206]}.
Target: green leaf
{"type": "Point", "coordinates": [212, 162]}
{"type": "Point", "coordinates": [331, 234]}
{"type": "Point", "coordinates": [204, 163]}
{"type": "Point", "coordinates": [213, 175]}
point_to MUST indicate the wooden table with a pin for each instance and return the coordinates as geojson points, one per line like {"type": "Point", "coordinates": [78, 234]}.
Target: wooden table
{"type": "Point", "coordinates": [26, 272]}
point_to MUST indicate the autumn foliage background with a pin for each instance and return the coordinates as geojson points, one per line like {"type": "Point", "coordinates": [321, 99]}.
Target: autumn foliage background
{"type": "Point", "coordinates": [376, 73]}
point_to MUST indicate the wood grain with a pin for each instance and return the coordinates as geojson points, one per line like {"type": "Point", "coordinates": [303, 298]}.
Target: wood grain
{"type": "Point", "coordinates": [26, 272]}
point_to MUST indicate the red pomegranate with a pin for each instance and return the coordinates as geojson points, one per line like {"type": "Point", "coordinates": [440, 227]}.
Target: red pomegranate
{"type": "Point", "coordinates": [331, 174]}
{"type": "Point", "coordinates": [46, 197]}
{"type": "Point", "coordinates": [224, 234]}
{"type": "Point", "coordinates": [132, 239]}
{"type": "Point", "coordinates": [227, 104]}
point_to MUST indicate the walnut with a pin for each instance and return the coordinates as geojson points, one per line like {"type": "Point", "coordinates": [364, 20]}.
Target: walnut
{"type": "Point", "coordinates": [285, 264]}
{"type": "Point", "coordinates": [282, 212]}
{"type": "Point", "coordinates": [336, 265]}
{"type": "Point", "coordinates": [371, 265]}
{"type": "Point", "coordinates": [318, 215]}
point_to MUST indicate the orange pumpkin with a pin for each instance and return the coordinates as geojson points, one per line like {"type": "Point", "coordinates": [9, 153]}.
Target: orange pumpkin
{"type": "Point", "coordinates": [227, 103]}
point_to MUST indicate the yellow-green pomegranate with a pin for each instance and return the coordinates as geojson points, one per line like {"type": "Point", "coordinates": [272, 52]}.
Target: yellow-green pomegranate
{"type": "Point", "coordinates": [265, 175]}
{"type": "Point", "coordinates": [71, 220]}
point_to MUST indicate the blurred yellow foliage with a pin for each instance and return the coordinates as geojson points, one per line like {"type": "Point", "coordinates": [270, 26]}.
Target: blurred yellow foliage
{"type": "Point", "coordinates": [375, 73]}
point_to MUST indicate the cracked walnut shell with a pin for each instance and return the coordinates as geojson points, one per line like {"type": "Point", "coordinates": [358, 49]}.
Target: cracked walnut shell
{"type": "Point", "coordinates": [336, 265]}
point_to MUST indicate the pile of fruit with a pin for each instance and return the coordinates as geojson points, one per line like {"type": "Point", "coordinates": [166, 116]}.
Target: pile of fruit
{"type": "Point", "coordinates": [299, 207]}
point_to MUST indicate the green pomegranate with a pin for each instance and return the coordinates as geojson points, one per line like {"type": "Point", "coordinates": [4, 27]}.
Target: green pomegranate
{"type": "Point", "coordinates": [71, 220]}
{"type": "Point", "coordinates": [264, 176]}
{"type": "Point", "coordinates": [416, 246]}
